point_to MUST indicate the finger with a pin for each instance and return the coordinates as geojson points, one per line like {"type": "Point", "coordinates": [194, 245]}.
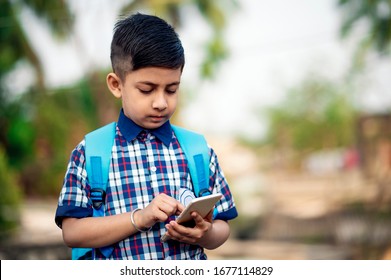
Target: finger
{"type": "Point", "coordinates": [163, 198]}
{"type": "Point", "coordinates": [173, 232]}
{"type": "Point", "coordinates": [166, 204]}
{"type": "Point", "coordinates": [201, 223]}
{"type": "Point", "coordinates": [183, 234]}
{"type": "Point", "coordinates": [209, 217]}
{"type": "Point", "coordinates": [197, 218]}
{"type": "Point", "coordinates": [161, 216]}
{"type": "Point", "coordinates": [170, 209]}
{"type": "Point", "coordinates": [179, 229]}
{"type": "Point", "coordinates": [180, 208]}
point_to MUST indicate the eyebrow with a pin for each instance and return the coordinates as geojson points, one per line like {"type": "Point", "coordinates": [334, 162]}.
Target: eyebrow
{"type": "Point", "coordinates": [153, 84]}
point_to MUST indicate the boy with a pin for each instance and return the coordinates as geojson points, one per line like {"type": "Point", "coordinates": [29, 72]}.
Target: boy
{"type": "Point", "coordinates": [148, 169]}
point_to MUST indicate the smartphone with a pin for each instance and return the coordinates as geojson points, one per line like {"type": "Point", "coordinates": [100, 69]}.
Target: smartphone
{"type": "Point", "coordinates": [202, 205]}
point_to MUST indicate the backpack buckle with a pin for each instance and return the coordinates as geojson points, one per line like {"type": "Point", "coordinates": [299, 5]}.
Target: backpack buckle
{"type": "Point", "coordinates": [98, 197]}
{"type": "Point", "coordinates": [204, 192]}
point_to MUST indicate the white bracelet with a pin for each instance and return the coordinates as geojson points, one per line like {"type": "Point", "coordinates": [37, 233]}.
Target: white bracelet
{"type": "Point", "coordinates": [134, 224]}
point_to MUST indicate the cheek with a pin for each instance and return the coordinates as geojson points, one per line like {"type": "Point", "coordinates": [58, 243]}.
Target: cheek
{"type": "Point", "coordinates": [130, 105]}
{"type": "Point", "coordinates": [173, 101]}
{"type": "Point", "coordinates": [131, 100]}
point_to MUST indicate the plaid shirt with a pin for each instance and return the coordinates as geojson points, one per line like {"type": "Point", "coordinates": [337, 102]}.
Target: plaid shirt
{"type": "Point", "coordinates": [144, 164]}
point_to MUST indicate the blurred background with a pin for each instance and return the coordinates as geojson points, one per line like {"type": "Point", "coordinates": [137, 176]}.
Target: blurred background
{"type": "Point", "coordinates": [294, 96]}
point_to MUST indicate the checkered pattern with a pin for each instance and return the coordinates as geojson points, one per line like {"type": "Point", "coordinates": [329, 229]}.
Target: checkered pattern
{"type": "Point", "coordinates": [140, 170]}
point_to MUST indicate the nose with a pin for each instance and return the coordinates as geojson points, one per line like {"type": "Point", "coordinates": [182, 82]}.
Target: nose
{"type": "Point", "coordinates": [159, 101]}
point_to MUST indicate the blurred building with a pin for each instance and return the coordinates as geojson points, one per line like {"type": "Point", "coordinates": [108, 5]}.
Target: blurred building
{"type": "Point", "coordinates": [374, 146]}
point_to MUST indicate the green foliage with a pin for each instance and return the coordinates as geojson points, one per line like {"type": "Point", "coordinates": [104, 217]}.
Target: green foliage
{"type": "Point", "coordinates": [38, 134]}
{"type": "Point", "coordinates": [10, 197]}
{"type": "Point", "coordinates": [17, 133]}
{"type": "Point", "coordinates": [216, 53]}
{"type": "Point", "coordinates": [376, 15]}
{"type": "Point", "coordinates": [315, 115]}
{"type": "Point", "coordinates": [215, 13]}
{"type": "Point", "coordinates": [15, 45]}
{"type": "Point", "coordinates": [10, 45]}
{"type": "Point", "coordinates": [20, 140]}
{"type": "Point", "coordinates": [56, 15]}
{"type": "Point", "coordinates": [60, 122]}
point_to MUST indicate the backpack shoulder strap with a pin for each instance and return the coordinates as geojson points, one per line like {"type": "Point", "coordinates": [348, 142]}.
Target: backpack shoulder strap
{"type": "Point", "coordinates": [98, 146]}
{"type": "Point", "coordinates": [196, 150]}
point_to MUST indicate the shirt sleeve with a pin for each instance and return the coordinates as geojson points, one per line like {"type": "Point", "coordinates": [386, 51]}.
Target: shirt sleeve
{"type": "Point", "coordinates": [226, 209]}
{"type": "Point", "coordinates": [73, 200]}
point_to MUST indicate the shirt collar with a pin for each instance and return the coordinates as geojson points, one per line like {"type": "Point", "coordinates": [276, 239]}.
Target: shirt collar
{"type": "Point", "coordinates": [130, 130]}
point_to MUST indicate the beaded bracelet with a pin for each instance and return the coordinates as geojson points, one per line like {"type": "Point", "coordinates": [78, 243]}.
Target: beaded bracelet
{"type": "Point", "coordinates": [134, 224]}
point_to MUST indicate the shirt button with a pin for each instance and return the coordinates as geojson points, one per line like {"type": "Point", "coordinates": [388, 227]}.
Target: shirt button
{"type": "Point", "coordinates": [153, 168]}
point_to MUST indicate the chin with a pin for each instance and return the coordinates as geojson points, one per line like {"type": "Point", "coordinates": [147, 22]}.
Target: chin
{"type": "Point", "coordinates": [153, 125]}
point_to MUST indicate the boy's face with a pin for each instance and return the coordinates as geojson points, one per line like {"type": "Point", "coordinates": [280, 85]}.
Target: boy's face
{"type": "Point", "coordinates": [149, 95]}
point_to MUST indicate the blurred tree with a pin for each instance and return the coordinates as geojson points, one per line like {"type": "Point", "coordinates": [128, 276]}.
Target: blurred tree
{"type": "Point", "coordinates": [315, 115]}
{"type": "Point", "coordinates": [17, 131]}
{"type": "Point", "coordinates": [9, 198]}
{"type": "Point", "coordinates": [376, 15]}
{"type": "Point", "coordinates": [15, 45]}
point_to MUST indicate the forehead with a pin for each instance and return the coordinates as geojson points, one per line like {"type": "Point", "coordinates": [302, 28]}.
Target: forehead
{"type": "Point", "coordinates": [154, 75]}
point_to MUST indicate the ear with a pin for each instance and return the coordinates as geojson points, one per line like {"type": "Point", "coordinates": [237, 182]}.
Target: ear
{"type": "Point", "coordinates": [114, 84]}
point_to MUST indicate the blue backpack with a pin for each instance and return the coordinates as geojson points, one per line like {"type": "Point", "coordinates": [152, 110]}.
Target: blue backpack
{"type": "Point", "coordinates": [98, 146]}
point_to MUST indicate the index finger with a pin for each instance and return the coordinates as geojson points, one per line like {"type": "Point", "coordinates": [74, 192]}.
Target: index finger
{"type": "Point", "coordinates": [180, 208]}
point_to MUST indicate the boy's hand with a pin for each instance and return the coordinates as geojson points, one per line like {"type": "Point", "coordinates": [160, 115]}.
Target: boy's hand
{"type": "Point", "coordinates": [191, 235]}
{"type": "Point", "coordinates": [160, 208]}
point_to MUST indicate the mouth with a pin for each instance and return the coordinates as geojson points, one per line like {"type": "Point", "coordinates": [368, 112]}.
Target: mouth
{"type": "Point", "coordinates": [157, 118]}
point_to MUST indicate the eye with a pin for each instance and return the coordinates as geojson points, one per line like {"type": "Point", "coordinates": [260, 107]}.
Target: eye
{"type": "Point", "coordinates": [171, 90]}
{"type": "Point", "coordinates": [145, 91]}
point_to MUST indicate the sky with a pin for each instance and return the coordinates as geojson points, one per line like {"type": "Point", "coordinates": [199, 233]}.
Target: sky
{"type": "Point", "coordinates": [273, 46]}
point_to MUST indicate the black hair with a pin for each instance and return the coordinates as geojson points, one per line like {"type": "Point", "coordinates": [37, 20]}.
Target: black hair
{"type": "Point", "coordinates": [145, 41]}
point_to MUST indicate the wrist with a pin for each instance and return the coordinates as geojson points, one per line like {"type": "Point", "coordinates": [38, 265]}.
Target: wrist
{"type": "Point", "coordinates": [136, 222]}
